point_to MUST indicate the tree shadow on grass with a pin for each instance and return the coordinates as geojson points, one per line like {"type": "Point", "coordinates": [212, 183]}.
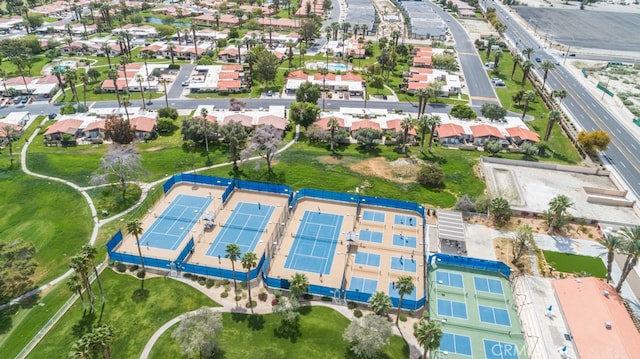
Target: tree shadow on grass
{"type": "Point", "coordinates": [140, 295]}
{"type": "Point", "coordinates": [84, 325]}
{"type": "Point", "coordinates": [256, 322]}
{"type": "Point", "coordinates": [238, 317]}
{"type": "Point", "coordinates": [370, 150]}
{"type": "Point", "coordinates": [288, 329]}
{"type": "Point", "coordinates": [433, 158]}
{"type": "Point", "coordinates": [6, 318]}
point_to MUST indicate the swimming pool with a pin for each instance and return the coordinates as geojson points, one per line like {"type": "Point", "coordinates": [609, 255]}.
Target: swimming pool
{"type": "Point", "coordinates": [336, 67]}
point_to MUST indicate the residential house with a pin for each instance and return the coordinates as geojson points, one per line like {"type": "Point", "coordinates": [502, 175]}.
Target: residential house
{"type": "Point", "coordinates": [483, 133]}
{"type": "Point", "coordinates": [143, 126]}
{"type": "Point", "coordinates": [351, 83]}
{"type": "Point", "coordinates": [520, 135]}
{"type": "Point", "coordinates": [451, 134]}
{"type": "Point", "coordinates": [70, 126]}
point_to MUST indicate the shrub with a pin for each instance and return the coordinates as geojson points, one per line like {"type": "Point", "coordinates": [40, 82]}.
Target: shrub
{"type": "Point", "coordinates": [243, 285]}
{"type": "Point", "coordinates": [217, 283]}
{"type": "Point", "coordinates": [403, 318]}
{"type": "Point", "coordinates": [431, 175]}
{"type": "Point", "coordinates": [133, 267]}
{"type": "Point", "coordinates": [307, 296]}
{"type": "Point", "coordinates": [168, 112]}
{"type": "Point", "coordinates": [238, 298]}
{"type": "Point", "coordinates": [224, 294]}
{"type": "Point", "coordinates": [274, 301]}
{"type": "Point", "coordinates": [352, 305]}
{"type": "Point", "coordinates": [278, 294]}
{"type": "Point", "coordinates": [121, 267]}
{"type": "Point", "coordinates": [187, 275]}
{"type": "Point", "coordinates": [210, 283]}
{"type": "Point", "coordinates": [262, 296]}
{"type": "Point", "coordinates": [68, 109]}
{"type": "Point", "coordinates": [251, 304]}
{"type": "Point", "coordinates": [202, 281]}
{"type": "Point", "coordinates": [173, 66]}
{"type": "Point", "coordinates": [357, 313]}
{"type": "Point", "coordinates": [141, 274]}
{"type": "Point", "coordinates": [225, 282]}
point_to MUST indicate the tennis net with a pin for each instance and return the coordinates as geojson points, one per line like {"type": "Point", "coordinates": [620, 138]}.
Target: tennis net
{"type": "Point", "coordinates": [243, 228]}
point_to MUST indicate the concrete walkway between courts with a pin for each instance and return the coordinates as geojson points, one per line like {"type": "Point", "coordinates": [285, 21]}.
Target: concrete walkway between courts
{"type": "Point", "coordinates": [404, 329]}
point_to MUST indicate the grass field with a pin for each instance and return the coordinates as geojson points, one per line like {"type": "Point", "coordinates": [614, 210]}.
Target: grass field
{"type": "Point", "coordinates": [134, 313]}
{"type": "Point", "coordinates": [575, 263]}
{"type": "Point", "coordinates": [246, 336]}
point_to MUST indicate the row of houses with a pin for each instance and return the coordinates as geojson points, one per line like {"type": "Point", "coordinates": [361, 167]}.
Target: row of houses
{"type": "Point", "coordinates": [422, 75]}
{"type": "Point", "coordinates": [350, 82]}
{"type": "Point", "coordinates": [217, 78]}
{"type": "Point", "coordinates": [134, 77]}
{"type": "Point", "coordinates": [453, 134]}
{"type": "Point", "coordinates": [43, 87]}
{"type": "Point", "coordinates": [251, 119]}
{"type": "Point", "coordinates": [87, 128]}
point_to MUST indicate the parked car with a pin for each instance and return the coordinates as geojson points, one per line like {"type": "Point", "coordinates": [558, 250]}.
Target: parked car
{"type": "Point", "coordinates": [269, 93]}
{"type": "Point", "coordinates": [185, 83]}
{"type": "Point", "coordinates": [538, 59]}
{"type": "Point", "coordinates": [25, 99]}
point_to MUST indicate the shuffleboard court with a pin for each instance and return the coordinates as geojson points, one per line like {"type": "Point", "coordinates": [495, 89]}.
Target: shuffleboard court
{"type": "Point", "coordinates": [373, 216]}
{"type": "Point", "coordinates": [244, 227]}
{"type": "Point", "coordinates": [315, 243]}
{"type": "Point", "coordinates": [173, 225]}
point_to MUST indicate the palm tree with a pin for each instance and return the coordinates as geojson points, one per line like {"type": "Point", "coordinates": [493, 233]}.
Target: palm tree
{"type": "Point", "coordinates": [561, 94]}
{"type": "Point", "coordinates": [557, 213]}
{"type": "Point", "coordinates": [74, 283]}
{"type": "Point", "coordinates": [433, 121]}
{"type": "Point", "coordinates": [9, 133]}
{"type": "Point", "coordinates": [139, 79]}
{"type": "Point", "coordinates": [112, 74]}
{"type": "Point", "coordinates": [103, 336]}
{"type": "Point", "coordinates": [423, 126]}
{"type": "Point", "coordinates": [58, 71]}
{"type": "Point", "coordinates": [106, 48]}
{"type": "Point", "coordinates": [205, 123]}
{"type": "Point", "coordinates": [631, 248]}
{"type": "Point", "coordinates": [194, 28]}
{"type": "Point", "coordinates": [611, 243]}
{"type": "Point", "coordinates": [333, 126]}
{"type": "Point", "coordinates": [85, 82]}
{"type": "Point", "coordinates": [135, 227]}
{"type": "Point", "coordinates": [82, 348]}
{"type": "Point", "coordinates": [380, 303]}
{"type": "Point", "coordinates": [299, 284]}
{"type": "Point", "coordinates": [497, 55]}
{"type": "Point", "coordinates": [406, 125]}
{"type": "Point", "coordinates": [290, 45]}
{"type": "Point", "coordinates": [20, 62]}
{"type": "Point", "coordinates": [404, 285]}
{"type": "Point", "coordinates": [546, 67]}
{"type": "Point", "coordinates": [217, 17]}
{"type": "Point", "coordinates": [526, 68]}
{"type": "Point", "coordinates": [146, 55]}
{"type": "Point", "coordinates": [233, 252]}
{"type": "Point", "coordinates": [517, 60]}
{"type": "Point", "coordinates": [70, 78]}
{"type": "Point", "coordinates": [527, 97]}
{"type": "Point", "coordinates": [171, 48]}
{"type": "Point", "coordinates": [554, 117]}
{"type": "Point", "coordinates": [428, 333]}
{"type": "Point", "coordinates": [164, 83]}
{"type": "Point", "coordinates": [79, 265]}
{"type": "Point", "coordinates": [527, 52]}
{"type": "Point", "coordinates": [324, 72]}
{"type": "Point", "coordinates": [90, 252]}
{"type": "Point", "coordinates": [249, 260]}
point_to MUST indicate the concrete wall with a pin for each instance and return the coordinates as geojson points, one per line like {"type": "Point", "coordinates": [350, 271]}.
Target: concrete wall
{"type": "Point", "coordinates": [548, 166]}
{"type": "Point", "coordinates": [605, 192]}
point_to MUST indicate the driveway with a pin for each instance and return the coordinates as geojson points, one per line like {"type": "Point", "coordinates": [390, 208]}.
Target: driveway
{"type": "Point", "coordinates": [176, 89]}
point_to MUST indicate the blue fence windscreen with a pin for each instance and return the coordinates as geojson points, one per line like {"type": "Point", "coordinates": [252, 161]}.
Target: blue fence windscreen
{"type": "Point", "coordinates": [472, 263]}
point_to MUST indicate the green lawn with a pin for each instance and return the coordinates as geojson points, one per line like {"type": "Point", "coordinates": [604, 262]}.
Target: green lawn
{"type": "Point", "coordinates": [37, 63]}
{"type": "Point", "coordinates": [134, 313]}
{"type": "Point", "coordinates": [246, 336]}
{"type": "Point", "coordinates": [574, 263]}
{"type": "Point", "coordinates": [109, 198]}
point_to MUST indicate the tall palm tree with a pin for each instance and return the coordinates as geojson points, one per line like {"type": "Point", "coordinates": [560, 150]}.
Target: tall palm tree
{"type": "Point", "coordinates": [433, 121]}
{"type": "Point", "coordinates": [233, 253]}
{"type": "Point", "coordinates": [290, 45]}
{"type": "Point", "coordinates": [557, 212]}
{"type": "Point", "coordinates": [146, 55]}
{"type": "Point", "coordinates": [70, 78]}
{"type": "Point", "coordinates": [554, 117]}
{"type": "Point", "coordinates": [546, 66]}
{"type": "Point", "coordinates": [139, 79]}
{"type": "Point", "coordinates": [380, 303]}
{"type": "Point", "coordinates": [517, 60]}
{"type": "Point", "coordinates": [205, 124]}
{"type": "Point", "coordinates": [74, 283]}
{"type": "Point", "coordinates": [58, 72]}
{"type": "Point", "coordinates": [561, 94]}
{"type": "Point", "coordinates": [84, 78]}
{"type": "Point", "coordinates": [20, 63]}
{"type": "Point", "coordinates": [106, 48]}
{"type": "Point", "coordinates": [249, 261]}
{"type": "Point", "coordinates": [90, 252]}
{"type": "Point", "coordinates": [406, 125]}
{"type": "Point", "coordinates": [631, 248]}
{"type": "Point", "coordinates": [9, 133]}
{"type": "Point", "coordinates": [527, 52]}
{"type": "Point", "coordinates": [112, 74]}
{"type": "Point", "coordinates": [428, 333]}
{"type": "Point", "coordinates": [195, 28]}
{"type": "Point", "coordinates": [135, 227]}
{"type": "Point", "coordinates": [612, 243]}
{"type": "Point", "coordinates": [491, 40]}
{"type": "Point", "coordinates": [497, 55]}
{"type": "Point", "coordinates": [82, 348]}
{"type": "Point", "coordinates": [79, 265]}
{"type": "Point", "coordinates": [423, 126]}
{"type": "Point", "coordinates": [527, 97]}
{"type": "Point", "coordinates": [333, 126]}
{"type": "Point", "coordinates": [124, 60]}
{"type": "Point", "coordinates": [171, 48]}
{"type": "Point", "coordinates": [404, 285]}
{"type": "Point", "coordinates": [526, 68]}
{"type": "Point", "coordinates": [164, 83]}
{"type": "Point", "coordinates": [103, 337]}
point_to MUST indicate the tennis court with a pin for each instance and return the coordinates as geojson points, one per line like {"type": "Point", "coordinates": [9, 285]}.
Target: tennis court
{"type": "Point", "coordinates": [315, 243]}
{"type": "Point", "coordinates": [452, 308]}
{"type": "Point", "coordinates": [175, 222]}
{"type": "Point", "coordinates": [369, 259]}
{"type": "Point", "coordinates": [493, 315]}
{"type": "Point", "coordinates": [404, 241]}
{"type": "Point", "coordinates": [370, 236]}
{"type": "Point", "coordinates": [405, 220]}
{"type": "Point", "coordinates": [373, 216]}
{"type": "Point", "coordinates": [403, 264]}
{"type": "Point", "coordinates": [363, 285]}
{"type": "Point", "coordinates": [449, 279]}
{"type": "Point", "coordinates": [500, 350]}
{"type": "Point", "coordinates": [244, 227]}
{"type": "Point", "coordinates": [487, 285]}
{"type": "Point", "coordinates": [455, 343]}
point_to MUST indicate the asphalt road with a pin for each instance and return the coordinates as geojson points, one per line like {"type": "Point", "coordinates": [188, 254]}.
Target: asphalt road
{"type": "Point", "coordinates": [586, 110]}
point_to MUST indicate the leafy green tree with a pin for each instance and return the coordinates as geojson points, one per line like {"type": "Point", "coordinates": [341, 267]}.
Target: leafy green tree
{"type": "Point", "coordinates": [9, 134]}
{"type": "Point", "coordinates": [529, 149]}
{"type": "Point", "coordinates": [376, 82]}
{"type": "Point", "coordinates": [367, 136]}
{"type": "Point", "coordinates": [463, 112]}
{"type": "Point", "coordinates": [308, 92]}
{"type": "Point", "coordinates": [197, 333]}
{"type": "Point", "coordinates": [493, 112]}
{"type": "Point", "coordinates": [428, 333]}
{"type": "Point", "coordinates": [232, 251]}
{"type": "Point", "coordinates": [492, 147]}
{"type": "Point", "coordinates": [304, 113]}
{"type": "Point", "coordinates": [557, 215]}
{"type": "Point", "coordinates": [500, 210]}
{"type": "Point", "coordinates": [594, 141]}
{"type": "Point", "coordinates": [249, 261]}
{"type": "Point", "coordinates": [405, 286]}
{"type": "Point", "coordinates": [266, 64]}
{"type": "Point", "coordinates": [369, 336]}
{"type": "Point", "coordinates": [380, 303]}
{"type": "Point", "coordinates": [630, 248]}
{"type": "Point", "coordinates": [235, 136]}
{"type": "Point", "coordinates": [299, 284]}
{"type": "Point", "coordinates": [431, 175]}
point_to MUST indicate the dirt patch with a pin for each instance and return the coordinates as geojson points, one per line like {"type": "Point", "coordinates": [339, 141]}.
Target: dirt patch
{"type": "Point", "coordinates": [328, 160]}
{"type": "Point", "coordinates": [503, 248]}
{"type": "Point", "coordinates": [402, 170]}
{"type": "Point", "coordinates": [574, 230]}
{"type": "Point", "coordinates": [153, 149]}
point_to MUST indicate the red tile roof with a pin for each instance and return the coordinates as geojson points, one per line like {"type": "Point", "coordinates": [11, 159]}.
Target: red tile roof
{"type": "Point", "coordinates": [96, 125]}
{"type": "Point", "coordinates": [143, 124]}
{"type": "Point", "coordinates": [232, 68]}
{"type": "Point", "coordinates": [298, 75]}
{"type": "Point", "coordinates": [364, 124]}
{"type": "Point", "coordinates": [3, 133]}
{"type": "Point", "coordinates": [69, 126]}
{"type": "Point", "coordinates": [483, 130]}
{"type": "Point", "coordinates": [449, 130]}
{"type": "Point", "coordinates": [323, 122]}
{"type": "Point", "coordinates": [225, 85]}
{"type": "Point", "coordinates": [523, 134]}
{"type": "Point", "coordinates": [232, 75]}
{"type": "Point", "coordinates": [395, 125]}
{"type": "Point", "coordinates": [244, 120]}
{"type": "Point", "coordinates": [276, 121]}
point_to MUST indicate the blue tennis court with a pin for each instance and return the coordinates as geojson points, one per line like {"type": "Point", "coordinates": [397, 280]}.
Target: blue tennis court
{"type": "Point", "coordinates": [487, 285]}
{"type": "Point", "coordinates": [499, 350]}
{"type": "Point", "coordinates": [244, 227]}
{"type": "Point", "coordinates": [315, 243]}
{"type": "Point", "coordinates": [455, 343]}
{"type": "Point", "coordinates": [449, 279]}
{"type": "Point", "coordinates": [369, 259]}
{"type": "Point", "coordinates": [393, 292]}
{"type": "Point", "coordinates": [175, 222]}
{"type": "Point", "coordinates": [373, 216]}
{"type": "Point", "coordinates": [403, 264]}
{"type": "Point", "coordinates": [404, 241]}
{"type": "Point", "coordinates": [370, 236]}
{"type": "Point", "coordinates": [452, 308]}
{"type": "Point", "coordinates": [494, 315]}
{"type": "Point", "coordinates": [404, 220]}
{"type": "Point", "coordinates": [363, 285]}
